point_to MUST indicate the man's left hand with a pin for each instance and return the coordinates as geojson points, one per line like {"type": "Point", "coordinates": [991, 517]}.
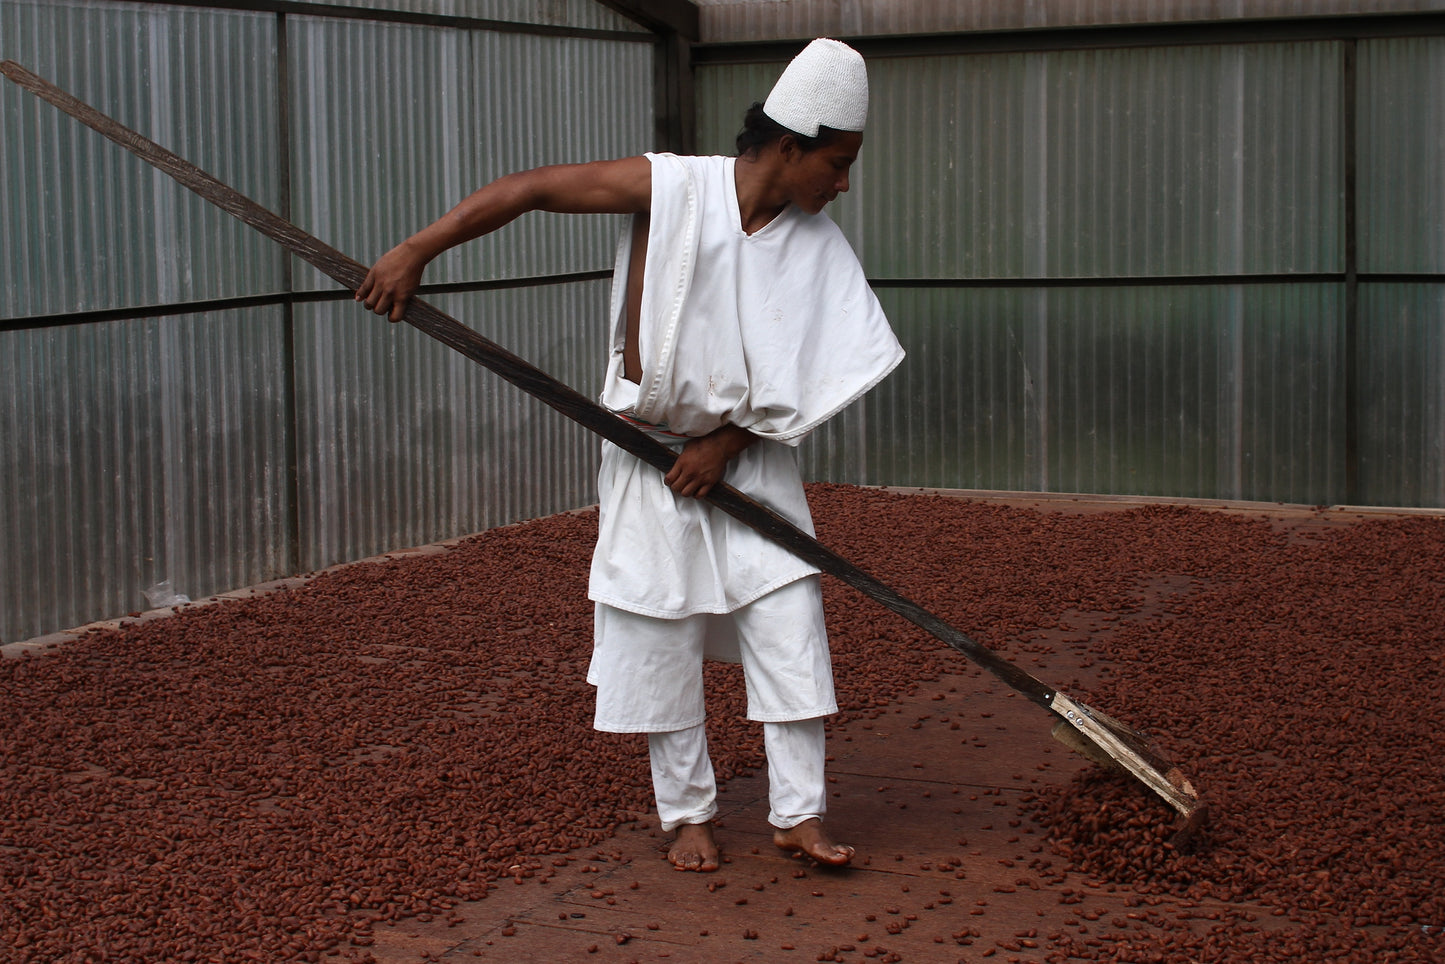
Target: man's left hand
{"type": "Point", "coordinates": [703, 461]}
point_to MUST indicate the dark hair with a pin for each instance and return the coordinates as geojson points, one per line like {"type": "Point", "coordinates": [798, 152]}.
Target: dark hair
{"type": "Point", "coordinates": [760, 130]}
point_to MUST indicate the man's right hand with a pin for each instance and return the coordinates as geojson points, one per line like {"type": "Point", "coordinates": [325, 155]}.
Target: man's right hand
{"type": "Point", "coordinates": [390, 283]}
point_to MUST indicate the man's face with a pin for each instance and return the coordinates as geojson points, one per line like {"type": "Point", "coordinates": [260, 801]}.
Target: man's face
{"type": "Point", "coordinates": [820, 176]}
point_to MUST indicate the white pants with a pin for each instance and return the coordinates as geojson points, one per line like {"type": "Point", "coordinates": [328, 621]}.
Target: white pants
{"type": "Point", "coordinates": [682, 776]}
{"type": "Point", "coordinates": [648, 674]}
{"type": "Point", "coordinates": [648, 671]}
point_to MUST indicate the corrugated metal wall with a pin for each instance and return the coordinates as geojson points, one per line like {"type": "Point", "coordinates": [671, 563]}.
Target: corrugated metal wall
{"type": "Point", "coordinates": [89, 227]}
{"type": "Point", "coordinates": [1096, 163]}
{"type": "Point", "coordinates": [1124, 270]}
{"type": "Point", "coordinates": [376, 150]}
{"type": "Point", "coordinates": [404, 441]}
{"type": "Point", "coordinates": [1401, 360]}
{"type": "Point", "coordinates": [138, 450]}
{"type": "Point", "coordinates": [399, 421]}
{"type": "Point", "coordinates": [1117, 270]}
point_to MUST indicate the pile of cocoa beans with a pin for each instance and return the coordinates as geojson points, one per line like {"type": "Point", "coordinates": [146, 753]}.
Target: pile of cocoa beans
{"type": "Point", "coordinates": [265, 778]}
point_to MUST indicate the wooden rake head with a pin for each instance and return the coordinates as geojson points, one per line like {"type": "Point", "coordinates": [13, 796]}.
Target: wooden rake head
{"type": "Point", "coordinates": [1111, 743]}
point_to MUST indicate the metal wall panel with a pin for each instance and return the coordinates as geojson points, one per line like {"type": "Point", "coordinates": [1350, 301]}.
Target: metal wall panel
{"type": "Point", "coordinates": [1200, 391]}
{"type": "Point", "coordinates": [1185, 161]}
{"type": "Point", "coordinates": [1102, 164]}
{"type": "Point", "coordinates": [729, 21]}
{"type": "Point", "coordinates": [406, 442]}
{"type": "Point", "coordinates": [1402, 388]}
{"type": "Point", "coordinates": [1402, 150]}
{"type": "Point", "coordinates": [724, 93]}
{"type": "Point", "coordinates": [94, 228]}
{"type": "Point", "coordinates": [1291, 408]}
{"type": "Point", "coordinates": [135, 452]}
{"type": "Point", "coordinates": [148, 450]}
{"type": "Point", "coordinates": [1106, 163]}
{"type": "Point", "coordinates": [138, 452]}
{"type": "Point", "coordinates": [377, 131]}
{"type": "Point", "coordinates": [541, 100]}
{"type": "Point", "coordinates": [955, 412]}
{"type": "Point", "coordinates": [381, 153]}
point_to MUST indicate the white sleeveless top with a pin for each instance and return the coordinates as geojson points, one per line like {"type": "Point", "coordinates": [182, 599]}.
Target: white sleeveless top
{"type": "Point", "coordinates": [774, 332]}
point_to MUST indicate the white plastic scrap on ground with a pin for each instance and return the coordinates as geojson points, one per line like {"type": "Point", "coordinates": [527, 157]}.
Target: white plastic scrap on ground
{"type": "Point", "coordinates": [162, 595]}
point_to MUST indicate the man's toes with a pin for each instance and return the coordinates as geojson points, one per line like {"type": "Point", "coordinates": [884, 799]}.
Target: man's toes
{"type": "Point", "coordinates": [830, 853]}
{"type": "Point", "coordinates": [685, 860]}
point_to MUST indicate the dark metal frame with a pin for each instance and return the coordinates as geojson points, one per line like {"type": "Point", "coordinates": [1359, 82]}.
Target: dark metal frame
{"type": "Point", "coordinates": [1194, 33]}
{"type": "Point", "coordinates": [382, 15]}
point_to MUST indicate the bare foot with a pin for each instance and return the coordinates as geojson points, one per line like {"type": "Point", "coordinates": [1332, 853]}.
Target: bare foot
{"type": "Point", "coordinates": [694, 848]}
{"type": "Point", "coordinates": [811, 839]}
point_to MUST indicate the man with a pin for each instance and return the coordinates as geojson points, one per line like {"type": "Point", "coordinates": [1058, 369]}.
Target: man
{"type": "Point", "coordinates": [741, 321]}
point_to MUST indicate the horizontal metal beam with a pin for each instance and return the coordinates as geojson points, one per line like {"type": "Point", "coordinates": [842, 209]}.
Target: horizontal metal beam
{"type": "Point", "coordinates": [661, 16]}
{"type": "Point", "coordinates": [1128, 281]}
{"type": "Point", "coordinates": [341, 12]}
{"type": "Point", "coordinates": [101, 315]}
{"type": "Point", "coordinates": [1271, 30]}
{"type": "Point", "coordinates": [133, 313]}
{"type": "Point", "coordinates": [1164, 281]}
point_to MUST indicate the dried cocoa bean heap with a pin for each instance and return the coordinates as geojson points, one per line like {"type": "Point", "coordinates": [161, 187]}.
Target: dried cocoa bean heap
{"type": "Point", "coordinates": [267, 777]}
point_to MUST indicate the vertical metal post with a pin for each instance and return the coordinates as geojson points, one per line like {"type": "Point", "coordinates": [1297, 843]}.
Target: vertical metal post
{"type": "Point", "coordinates": [674, 110]}
{"type": "Point", "coordinates": [1351, 364]}
{"type": "Point", "coordinates": [1034, 333]}
{"type": "Point", "coordinates": [292, 426]}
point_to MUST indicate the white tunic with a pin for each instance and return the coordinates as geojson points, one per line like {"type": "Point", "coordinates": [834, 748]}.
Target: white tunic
{"type": "Point", "coordinates": [774, 332]}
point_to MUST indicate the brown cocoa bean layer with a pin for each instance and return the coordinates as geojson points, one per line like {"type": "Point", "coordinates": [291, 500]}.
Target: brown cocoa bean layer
{"type": "Point", "coordinates": [267, 777]}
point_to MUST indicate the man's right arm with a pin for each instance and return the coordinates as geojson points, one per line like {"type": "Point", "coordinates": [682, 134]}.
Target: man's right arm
{"type": "Point", "coordinates": [600, 187]}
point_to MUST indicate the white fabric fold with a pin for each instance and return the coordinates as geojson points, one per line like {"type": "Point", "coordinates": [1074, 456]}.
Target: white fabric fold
{"type": "Point", "coordinates": [665, 555]}
{"type": "Point", "coordinates": [774, 332]}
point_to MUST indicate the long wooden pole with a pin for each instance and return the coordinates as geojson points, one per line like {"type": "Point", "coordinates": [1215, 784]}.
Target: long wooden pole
{"type": "Point", "coordinates": [1109, 738]}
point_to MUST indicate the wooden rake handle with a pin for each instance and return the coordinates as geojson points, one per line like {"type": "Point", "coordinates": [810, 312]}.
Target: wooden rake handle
{"type": "Point", "coordinates": [526, 376]}
{"type": "Point", "coordinates": [569, 402]}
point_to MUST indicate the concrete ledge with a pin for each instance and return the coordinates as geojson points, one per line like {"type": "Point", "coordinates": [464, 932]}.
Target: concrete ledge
{"type": "Point", "coordinates": [1058, 500]}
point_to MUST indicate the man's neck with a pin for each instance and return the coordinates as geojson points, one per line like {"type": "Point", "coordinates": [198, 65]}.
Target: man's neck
{"type": "Point", "coordinates": [759, 197]}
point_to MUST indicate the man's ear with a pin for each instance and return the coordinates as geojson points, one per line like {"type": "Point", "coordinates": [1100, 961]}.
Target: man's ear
{"type": "Point", "coordinates": [788, 147]}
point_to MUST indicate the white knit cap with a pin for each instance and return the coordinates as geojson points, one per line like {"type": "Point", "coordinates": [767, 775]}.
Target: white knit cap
{"type": "Point", "coordinates": [825, 85]}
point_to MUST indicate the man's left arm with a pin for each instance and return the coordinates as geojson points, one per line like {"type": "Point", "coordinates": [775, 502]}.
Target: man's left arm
{"type": "Point", "coordinates": [704, 460]}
